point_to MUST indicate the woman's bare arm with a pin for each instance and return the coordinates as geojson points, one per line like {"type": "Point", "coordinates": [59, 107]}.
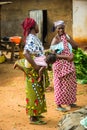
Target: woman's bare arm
{"type": "Point", "coordinates": [65, 57]}
{"type": "Point", "coordinates": [55, 40]}
{"type": "Point", "coordinates": [30, 60]}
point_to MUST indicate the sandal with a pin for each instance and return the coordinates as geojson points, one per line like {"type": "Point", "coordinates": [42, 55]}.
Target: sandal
{"type": "Point", "coordinates": [40, 116]}
{"type": "Point", "coordinates": [38, 122]}
{"type": "Point", "coordinates": [73, 106]}
{"type": "Point", "coordinates": [61, 109]}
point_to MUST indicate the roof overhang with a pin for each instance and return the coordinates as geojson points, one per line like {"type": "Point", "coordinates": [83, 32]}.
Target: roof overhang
{"type": "Point", "coordinates": [7, 2]}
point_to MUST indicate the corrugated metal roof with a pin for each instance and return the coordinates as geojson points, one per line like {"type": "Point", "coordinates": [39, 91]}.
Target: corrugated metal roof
{"type": "Point", "coordinates": [7, 2]}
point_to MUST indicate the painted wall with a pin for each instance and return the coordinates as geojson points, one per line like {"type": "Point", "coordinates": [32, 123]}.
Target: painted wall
{"type": "Point", "coordinates": [80, 21]}
{"type": "Point", "coordinates": [13, 14]}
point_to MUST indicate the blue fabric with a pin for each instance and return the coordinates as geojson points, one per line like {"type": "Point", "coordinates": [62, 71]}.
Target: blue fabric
{"type": "Point", "coordinates": [83, 122]}
{"type": "Point", "coordinates": [59, 47]}
{"type": "Point", "coordinates": [34, 45]}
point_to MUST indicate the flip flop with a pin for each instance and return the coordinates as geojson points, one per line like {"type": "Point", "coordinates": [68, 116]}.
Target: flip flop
{"type": "Point", "coordinates": [40, 116]}
{"type": "Point", "coordinates": [73, 106]}
{"type": "Point", "coordinates": [61, 109]}
{"type": "Point", "coordinates": [39, 122]}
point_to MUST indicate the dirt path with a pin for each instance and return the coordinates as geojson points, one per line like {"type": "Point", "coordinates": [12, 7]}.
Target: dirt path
{"type": "Point", "coordinates": [12, 102]}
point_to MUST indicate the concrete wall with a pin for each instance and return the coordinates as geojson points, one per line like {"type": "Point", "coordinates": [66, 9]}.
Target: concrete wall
{"type": "Point", "coordinates": [13, 14]}
{"type": "Point", "coordinates": [80, 22]}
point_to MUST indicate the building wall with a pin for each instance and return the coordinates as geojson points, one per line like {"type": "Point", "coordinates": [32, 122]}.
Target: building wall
{"type": "Point", "coordinates": [80, 22]}
{"type": "Point", "coordinates": [13, 14]}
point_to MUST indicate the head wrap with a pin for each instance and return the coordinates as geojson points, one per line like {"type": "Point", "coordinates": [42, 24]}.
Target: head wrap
{"type": "Point", "coordinates": [60, 22]}
{"type": "Point", "coordinates": [27, 24]}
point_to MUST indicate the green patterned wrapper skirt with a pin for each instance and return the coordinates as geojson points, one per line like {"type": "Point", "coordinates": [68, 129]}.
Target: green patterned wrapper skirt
{"type": "Point", "coordinates": [35, 91]}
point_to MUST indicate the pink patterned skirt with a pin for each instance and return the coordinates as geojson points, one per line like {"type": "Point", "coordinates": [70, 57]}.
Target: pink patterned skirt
{"type": "Point", "coordinates": [65, 85]}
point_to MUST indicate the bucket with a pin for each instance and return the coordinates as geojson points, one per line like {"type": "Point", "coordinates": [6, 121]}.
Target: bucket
{"type": "Point", "coordinates": [15, 39]}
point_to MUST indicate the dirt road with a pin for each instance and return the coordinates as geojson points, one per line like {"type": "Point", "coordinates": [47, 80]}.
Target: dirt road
{"type": "Point", "coordinates": [12, 102]}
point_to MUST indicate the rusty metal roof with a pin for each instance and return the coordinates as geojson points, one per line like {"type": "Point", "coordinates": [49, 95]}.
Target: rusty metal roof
{"type": "Point", "coordinates": [7, 2]}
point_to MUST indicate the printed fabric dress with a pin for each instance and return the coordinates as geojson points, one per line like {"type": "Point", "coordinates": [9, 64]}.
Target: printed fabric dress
{"type": "Point", "coordinates": [65, 85]}
{"type": "Point", "coordinates": [35, 97]}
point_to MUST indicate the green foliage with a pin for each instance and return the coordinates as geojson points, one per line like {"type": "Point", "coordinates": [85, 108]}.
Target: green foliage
{"type": "Point", "coordinates": [80, 60]}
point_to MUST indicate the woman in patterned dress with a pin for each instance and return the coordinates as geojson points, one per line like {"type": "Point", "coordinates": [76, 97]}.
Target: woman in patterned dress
{"type": "Point", "coordinates": [35, 96]}
{"type": "Point", "coordinates": [63, 69]}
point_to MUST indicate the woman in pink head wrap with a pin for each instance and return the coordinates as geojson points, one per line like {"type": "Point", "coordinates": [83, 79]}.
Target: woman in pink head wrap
{"type": "Point", "coordinates": [35, 96]}
{"type": "Point", "coordinates": [63, 69]}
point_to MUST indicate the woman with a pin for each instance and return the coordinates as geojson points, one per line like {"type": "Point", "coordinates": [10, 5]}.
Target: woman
{"type": "Point", "coordinates": [63, 69]}
{"type": "Point", "coordinates": [35, 97]}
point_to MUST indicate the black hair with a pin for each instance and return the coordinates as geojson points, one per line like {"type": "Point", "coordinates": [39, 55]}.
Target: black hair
{"type": "Point", "coordinates": [33, 27]}
{"type": "Point", "coordinates": [50, 58]}
{"type": "Point", "coordinates": [53, 28]}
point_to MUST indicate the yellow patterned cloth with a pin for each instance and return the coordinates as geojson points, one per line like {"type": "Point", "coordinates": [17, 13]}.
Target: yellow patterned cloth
{"type": "Point", "coordinates": [35, 96]}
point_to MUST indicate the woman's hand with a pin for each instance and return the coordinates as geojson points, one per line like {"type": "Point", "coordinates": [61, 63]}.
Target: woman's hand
{"type": "Point", "coordinates": [36, 67]}
{"type": "Point", "coordinates": [70, 58]}
{"type": "Point", "coordinates": [65, 57]}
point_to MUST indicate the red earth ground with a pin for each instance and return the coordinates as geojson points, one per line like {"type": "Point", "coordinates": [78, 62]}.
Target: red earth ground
{"type": "Point", "coordinates": [12, 102]}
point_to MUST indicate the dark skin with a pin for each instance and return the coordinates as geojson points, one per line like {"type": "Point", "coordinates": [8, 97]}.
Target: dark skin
{"type": "Point", "coordinates": [31, 61]}
{"type": "Point", "coordinates": [29, 58]}
{"type": "Point", "coordinates": [27, 54]}
{"type": "Point", "coordinates": [60, 31]}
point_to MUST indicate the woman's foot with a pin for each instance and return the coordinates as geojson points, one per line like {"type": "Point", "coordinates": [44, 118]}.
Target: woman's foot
{"type": "Point", "coordinates": [36, 121]}
{"type": "Point", "coordinates": [62, 109]}
{"type": "Point", "coordinates": [33, 118]}
{"type": "Point", "coordinates": [68, 107]}
{"type": "Point", "coordinates": [73, 105]}
{"type": "Point", "coordinates": [40, 116]}
{"type": "Point", "coordinates": [15, 65]}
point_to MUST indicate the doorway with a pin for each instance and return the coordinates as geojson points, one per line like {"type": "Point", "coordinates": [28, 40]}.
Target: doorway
{"type": "Point", "coordinates": [41, 18]}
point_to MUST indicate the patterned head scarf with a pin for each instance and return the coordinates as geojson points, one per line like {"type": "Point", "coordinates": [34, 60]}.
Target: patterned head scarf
{"type": "Point", "coordinates": [60, 22]}
{"type": "Point", "coordinates": [27, 24]}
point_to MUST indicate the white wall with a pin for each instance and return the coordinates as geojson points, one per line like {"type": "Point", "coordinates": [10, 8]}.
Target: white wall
{"type": "Point", "coordinates": [80, 19]}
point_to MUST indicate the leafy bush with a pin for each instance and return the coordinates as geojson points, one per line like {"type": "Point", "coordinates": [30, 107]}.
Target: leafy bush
{"type": "Point", "coordinates": [80, 60]}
